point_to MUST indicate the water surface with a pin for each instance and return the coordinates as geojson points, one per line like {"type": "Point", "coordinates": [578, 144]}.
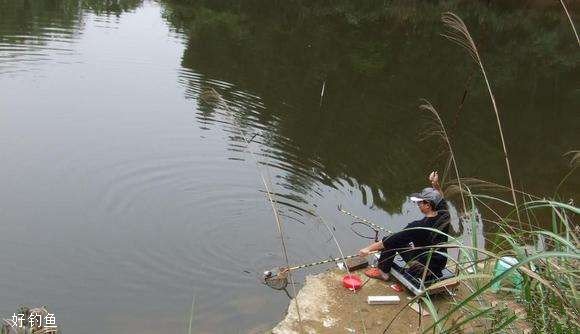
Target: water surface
{"type": "Point", "coordinates": [124, 194]}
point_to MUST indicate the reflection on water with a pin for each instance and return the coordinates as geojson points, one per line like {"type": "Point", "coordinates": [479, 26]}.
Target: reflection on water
{"type": "Point", "coordinates": [375, 63]}
{"type": "Point", "coordinates": [124, 193]}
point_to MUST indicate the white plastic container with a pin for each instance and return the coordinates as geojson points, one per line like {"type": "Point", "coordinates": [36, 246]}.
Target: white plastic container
{"type": "Point", "coordinates": [381, 300]}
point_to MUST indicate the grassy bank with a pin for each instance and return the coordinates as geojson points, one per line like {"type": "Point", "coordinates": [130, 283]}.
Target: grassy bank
{"type": "Point", "coordinates": [545, 276]}
{"type": "Point", "coordinates": [544, 272]}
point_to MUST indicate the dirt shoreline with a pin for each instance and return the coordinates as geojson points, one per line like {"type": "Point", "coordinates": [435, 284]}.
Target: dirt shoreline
{"type": "Point", "coordinates": [325, 306]}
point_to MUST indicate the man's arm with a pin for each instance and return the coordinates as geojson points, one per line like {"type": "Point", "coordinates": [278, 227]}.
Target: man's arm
{"type": "Point", "coordinates": [377, 246]}
{"type": "Point", "coordinates": [400, 239]}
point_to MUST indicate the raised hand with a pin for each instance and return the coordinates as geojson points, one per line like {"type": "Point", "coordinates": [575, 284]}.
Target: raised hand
{"type": "Point", "coordinates": [434, 177]}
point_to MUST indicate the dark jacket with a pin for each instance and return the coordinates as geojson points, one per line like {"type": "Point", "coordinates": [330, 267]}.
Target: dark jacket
{"type": "Point", "coordinates": [416, 236]}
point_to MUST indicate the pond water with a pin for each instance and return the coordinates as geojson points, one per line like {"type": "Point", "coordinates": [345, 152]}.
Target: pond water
{"type": "Point", "coordinates": [125, 195]}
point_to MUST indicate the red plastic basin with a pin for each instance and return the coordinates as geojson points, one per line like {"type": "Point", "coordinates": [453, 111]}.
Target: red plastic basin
{"type": "Point", "coordinates": [352, 282]}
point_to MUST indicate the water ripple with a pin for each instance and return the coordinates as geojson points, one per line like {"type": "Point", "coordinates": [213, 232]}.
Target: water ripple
{"type": "Point", "coordinates": [47, 43]}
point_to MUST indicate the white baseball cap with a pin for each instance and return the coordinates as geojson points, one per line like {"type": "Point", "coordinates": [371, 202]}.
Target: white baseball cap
{"type": "Point", "coordinates": [428, 194]}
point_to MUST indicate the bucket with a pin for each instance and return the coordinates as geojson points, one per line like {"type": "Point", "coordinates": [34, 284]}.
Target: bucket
{"type": "Point", "coordinates": [502, 265]}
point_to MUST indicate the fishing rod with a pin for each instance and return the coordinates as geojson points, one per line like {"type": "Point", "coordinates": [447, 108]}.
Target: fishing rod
{"type": "Point", "coordinates": [302, 266]}
{"type": "Point", "coordinates": [279, 280]}
{"type": "Point", "coordinates": [363, 221]}
{"type": "Point", "coordinates": [336, 259]}
{"type": "Point", "coordinates": [366, 221]}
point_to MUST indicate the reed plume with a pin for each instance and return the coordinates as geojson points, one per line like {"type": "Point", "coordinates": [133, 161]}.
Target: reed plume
{"type": "Point", "coordinates": [574, 158]}
{"type": "Point", "coordinates": [442, 133]}
{"type": "Point", "coordinates": [459, 34]}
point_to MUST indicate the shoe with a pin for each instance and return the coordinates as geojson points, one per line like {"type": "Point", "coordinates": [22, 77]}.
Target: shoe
{"type": "Point", "coordinates": [376, 273]}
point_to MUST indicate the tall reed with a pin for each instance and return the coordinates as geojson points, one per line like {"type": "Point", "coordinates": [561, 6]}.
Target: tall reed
{"type": "Point", "coordinates": [441, 133]}
{"type": "Point", "coordinates": [211, 96]}
{"type": "Point", "coordinates": [571, 22]}
{"type": "Point", "coordinates": [459, 34]}
{"type": "Point", "coordinates": [547, 260]}
{"type": "Point", "coordinates": [191, 313]}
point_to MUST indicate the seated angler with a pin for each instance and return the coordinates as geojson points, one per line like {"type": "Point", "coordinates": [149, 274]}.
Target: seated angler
{"type": "Point", "coordinates": [412, 241]}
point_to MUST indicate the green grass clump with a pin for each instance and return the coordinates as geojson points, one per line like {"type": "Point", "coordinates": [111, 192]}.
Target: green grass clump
{"type": "Point", "coordinates": [548, 263]}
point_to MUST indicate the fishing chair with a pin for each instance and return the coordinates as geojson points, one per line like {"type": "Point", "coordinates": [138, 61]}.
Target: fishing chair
{"type": "Point", "coordinates": [413, 280]}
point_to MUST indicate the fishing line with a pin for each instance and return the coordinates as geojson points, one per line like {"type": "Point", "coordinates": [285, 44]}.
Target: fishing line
{"type": "Point", "coordinates": [375, 231]}
{"type": "Point", "coordinates": [211, 93]}
{"type": "Point", "coordinates": [279, 280]}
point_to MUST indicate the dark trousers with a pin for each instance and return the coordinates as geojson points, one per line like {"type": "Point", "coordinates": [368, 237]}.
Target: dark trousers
{"type": "Point", "coordinates": [392, 247]}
